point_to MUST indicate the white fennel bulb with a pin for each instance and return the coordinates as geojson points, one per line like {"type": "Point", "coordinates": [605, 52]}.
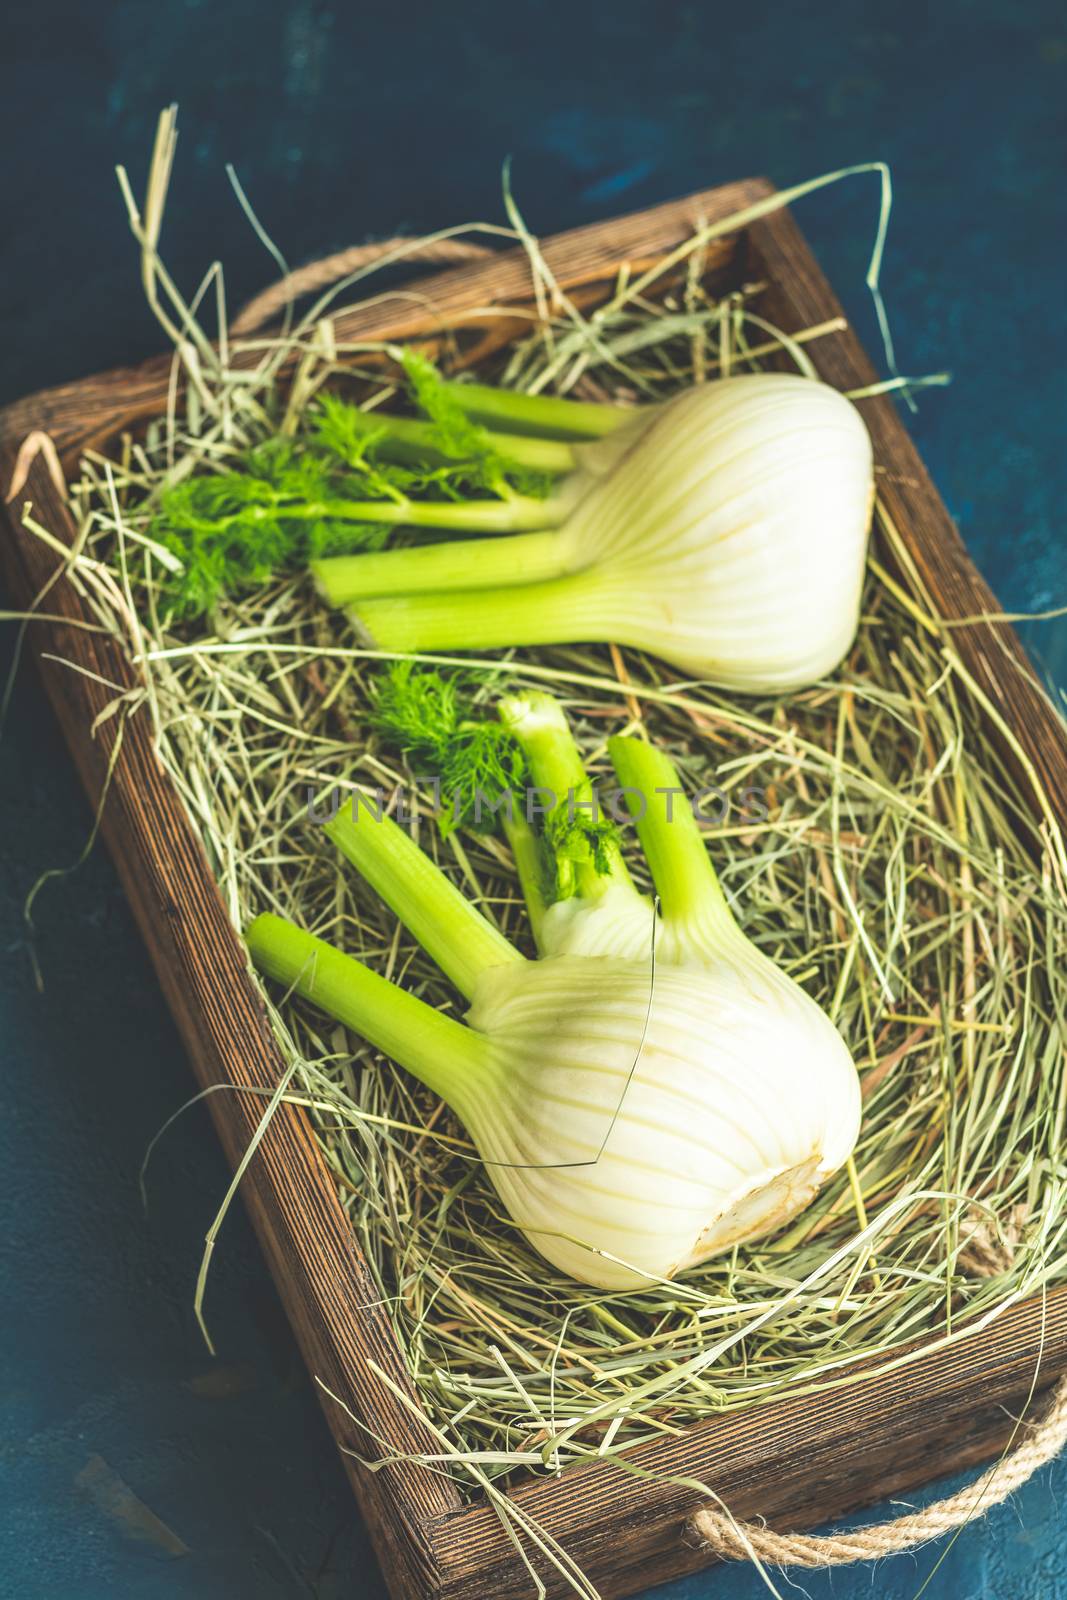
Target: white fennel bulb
{"type": "Point", "coordinates": [724, 530]}
{"type": "Point", "coordinates": [622, 1164]}
{"type": "Point", "coordinates": [637, 1113]}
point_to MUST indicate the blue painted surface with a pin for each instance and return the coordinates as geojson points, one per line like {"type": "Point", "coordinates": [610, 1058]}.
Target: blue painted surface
{"type": "Point", "coordinates": [344, 122]}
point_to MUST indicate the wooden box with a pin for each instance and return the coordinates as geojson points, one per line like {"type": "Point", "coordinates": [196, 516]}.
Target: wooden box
{"type": "Point", "coordinates": [796, 1462]}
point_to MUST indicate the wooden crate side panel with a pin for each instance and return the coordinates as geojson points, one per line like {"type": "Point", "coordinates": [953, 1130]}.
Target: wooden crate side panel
{"type": "Point", "coordinates": [799, 296]}
{"type": "Point", "coordinates": [94, 411]}
{"type": "Point", "coordinates": [329, 1294]}
{"type": "Point", "coordinates": [795, 1462]}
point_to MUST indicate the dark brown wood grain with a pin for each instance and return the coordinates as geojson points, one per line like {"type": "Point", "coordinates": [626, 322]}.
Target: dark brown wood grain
{"type": "Point", "coordinates": [203, 972]}
{"type": "Point", "coordinates": [583, 261]}
{"type": "Point", "coordinates": [797, 1461]}
{"type": "Point", "coordinates": [794, 1462]}
{"type": "Point", "coordinates": [797, 296]}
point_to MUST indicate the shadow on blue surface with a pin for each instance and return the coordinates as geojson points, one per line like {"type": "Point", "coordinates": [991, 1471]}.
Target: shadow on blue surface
{"type": "Point", "coordinates": [344, 123]}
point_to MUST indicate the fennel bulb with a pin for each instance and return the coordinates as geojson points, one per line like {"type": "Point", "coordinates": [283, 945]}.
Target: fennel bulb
{"type": "Point", "coordinates": [636, 1112]}
{"type": "Point", "coordinates": [724, 530]}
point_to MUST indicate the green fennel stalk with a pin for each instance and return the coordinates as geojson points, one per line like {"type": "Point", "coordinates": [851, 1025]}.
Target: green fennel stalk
{"type": "Point", "coordinates": [585, 854]}
{"type": "Point", "coordinates": [416, 443]}
{"type": "Point", "coordinates": [586, 859]}
{"type": "Point", "coordinates": [340, 486]}
{"type": "Point", "coordinates": [539, 415]}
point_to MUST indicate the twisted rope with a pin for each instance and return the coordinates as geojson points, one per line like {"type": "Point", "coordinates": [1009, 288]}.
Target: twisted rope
{"type": "Point", "coordinates": [271, 302]}
{"type": "Point", "coordinates": [742, 1541]}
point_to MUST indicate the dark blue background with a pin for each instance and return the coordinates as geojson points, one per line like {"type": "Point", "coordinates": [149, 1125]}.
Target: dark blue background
{"type": "Point", "coordinates": [344, 122]}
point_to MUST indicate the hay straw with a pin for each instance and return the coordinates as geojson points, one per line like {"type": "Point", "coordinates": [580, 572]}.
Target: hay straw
{"type": "Point", "coordinates": [897, 872]}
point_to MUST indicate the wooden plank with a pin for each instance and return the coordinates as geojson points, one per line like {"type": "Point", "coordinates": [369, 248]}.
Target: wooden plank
{"type": "Point", "coordinates": [330, 1296]}
{"type": "Point", "coordinates": [796, 1461]}
{"type": "Point", "coordinates": [89, 413]}
{"type": "Point", "coordinates": [798, 296]}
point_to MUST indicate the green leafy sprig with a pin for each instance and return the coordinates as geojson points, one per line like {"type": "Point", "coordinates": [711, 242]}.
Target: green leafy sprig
{"type": "Point", "coordinates": [283, 504]}
{"type": "Point", "coordinates": [236, 530]}
{"type": "Point", "coordinates": [432, 716]}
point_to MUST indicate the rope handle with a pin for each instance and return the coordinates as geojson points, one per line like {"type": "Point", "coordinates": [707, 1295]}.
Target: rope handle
{"type": "Point", "coordinates": [731, 1540]}
{"type": "Point", "coordinates": [270, 302]}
